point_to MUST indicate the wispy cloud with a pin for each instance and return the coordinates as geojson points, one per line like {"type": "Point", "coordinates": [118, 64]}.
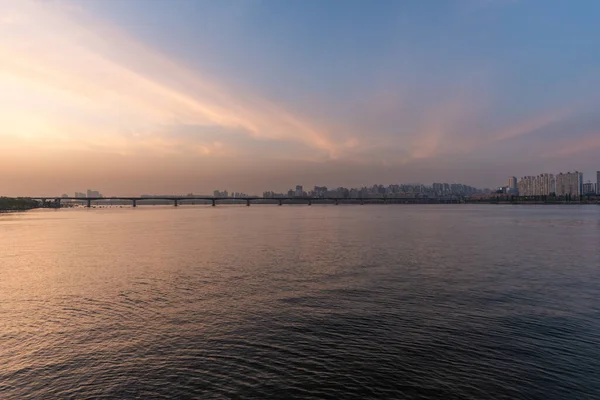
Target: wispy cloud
{"type": "Point", "coordinates": [75, 86]}
{"type": "Point", "coordinates": [588, 143]}
{"type": "Point", "coordinates": [108, 80]}
{"type": "Point", "coordinates": [532, 125]}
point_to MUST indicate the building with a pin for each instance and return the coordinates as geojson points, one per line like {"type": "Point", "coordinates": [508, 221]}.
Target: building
{"type": "Point", "coordinates": [299, 192]}
{"type": "Point", "coordinates": [218, 193]}
{"type": "Point", "coordinates": [541, 185]}
{"type": "Point", "coordinates": [545, 185]}
{"type": "Point", "coordinates": [319, 191]}
{"type": "Point", "coordinates": [80, 195]}
{"type": "Point", "coordinates": [525, 186]}
{"type": "Point", "coordinates": [598, 182]}
{"type": "Point", "coordinates": [512, 187]}
{"type": "Point", "coordinates": [93, 193]}
{"type": "Point", "coordinates": [570, 183]}
{"type": "Point", "coordinates": [589, 188]}
{"type": "Point", "coordinates": [272, 195]}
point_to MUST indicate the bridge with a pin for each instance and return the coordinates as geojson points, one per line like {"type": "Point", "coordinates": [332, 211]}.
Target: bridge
{"type": "Point", "coordinates": [180, 200]}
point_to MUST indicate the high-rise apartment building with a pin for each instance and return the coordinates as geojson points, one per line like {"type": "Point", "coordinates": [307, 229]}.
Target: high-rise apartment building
{"type": "Point", "coordinates": [525, 186]}
{"type": "Point", "coordinates": [218, 193]}
{"type": "Point", "coordinates": [512, 183]}
{"type": "Point", "coordinates": [93, 193]}
{"type": "Point", "coordinates": [589, 188]}
{"type": "Point", "coordinates": [319, 191]}
{"type": "Point", "coordinates": [541, 185]}
{"type": "Point", "coordinates": [546, 184]}
{"type": "Point", "coordinates": [598, 182]}
{"type": "Point", "coordinates": [570, 183]}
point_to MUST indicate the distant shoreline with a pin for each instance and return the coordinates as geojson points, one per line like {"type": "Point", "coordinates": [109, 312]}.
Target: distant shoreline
{"type": "Point", "coordinates": [11, 204]}
{"type": "Point", "coordinates": [19, 210]}
{"type": "Point", "coordinates": [8, 211]}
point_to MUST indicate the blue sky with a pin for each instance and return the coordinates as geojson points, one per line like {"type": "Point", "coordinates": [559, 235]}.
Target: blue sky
{"type": "Point", "coordinates": [252, 95]}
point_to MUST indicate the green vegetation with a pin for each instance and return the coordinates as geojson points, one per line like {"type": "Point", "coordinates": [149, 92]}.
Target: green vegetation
{"type": "Point", "coordinates": [17, 204]}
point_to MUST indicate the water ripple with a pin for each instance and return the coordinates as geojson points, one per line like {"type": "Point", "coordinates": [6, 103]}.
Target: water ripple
{"type": "Point", "coordinates": [327, 307]}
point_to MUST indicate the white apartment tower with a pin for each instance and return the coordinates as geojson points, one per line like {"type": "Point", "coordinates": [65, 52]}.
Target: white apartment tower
{"type": "Point", "coordinates": [525, 186]}
{"type": "Point", "coordinates": [570, 183]}
{"type": "Point", "coordinates": [541, 185]}
{"type": "Point", "coordinates": [546, 185]}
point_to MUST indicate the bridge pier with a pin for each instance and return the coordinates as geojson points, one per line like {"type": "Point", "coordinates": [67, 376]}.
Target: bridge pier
{"type": "Point", "coordinates": [362, 202]}
{"type": "Point", "coordinates": [280, 202]}
{"type": "Point", "coordinates": [310, 202]}
{"type": "Point", "coordinates": [176, 203]}
{"type": "Point", "coordinates": [88, 203]}
{"type": "Point", "coordinates": [337, 201]}
{"type": "Point", "coordinates": [248, 203]}
{"type": "Point", "coordinates": [134, 203]}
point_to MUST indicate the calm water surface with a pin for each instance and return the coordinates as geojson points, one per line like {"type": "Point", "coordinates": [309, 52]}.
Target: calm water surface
{"type": "Point", "coordinates": [454, 302]}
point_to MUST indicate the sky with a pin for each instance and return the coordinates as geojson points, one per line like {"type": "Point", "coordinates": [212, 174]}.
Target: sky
{"type": "Point", "coordinates": [181, 96]}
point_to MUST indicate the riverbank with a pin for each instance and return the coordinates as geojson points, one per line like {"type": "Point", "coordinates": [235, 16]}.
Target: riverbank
{"type": "Point", "coordinates": [11, 204]}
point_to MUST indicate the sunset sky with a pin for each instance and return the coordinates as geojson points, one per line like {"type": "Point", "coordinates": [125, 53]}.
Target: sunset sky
{"type": "Point", "coordinates": [139, 96]}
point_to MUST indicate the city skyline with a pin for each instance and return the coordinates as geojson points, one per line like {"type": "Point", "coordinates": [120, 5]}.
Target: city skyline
{"type": "Point", "coordinates": [543, 184]}
{"type": "Point", "coordinates": [301, 190]}
{"type": "Point", "coordinates": [170, 96]}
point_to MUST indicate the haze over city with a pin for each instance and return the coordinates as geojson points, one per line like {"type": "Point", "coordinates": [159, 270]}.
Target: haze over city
{"type": "Point", "coordinates": [178, 96]}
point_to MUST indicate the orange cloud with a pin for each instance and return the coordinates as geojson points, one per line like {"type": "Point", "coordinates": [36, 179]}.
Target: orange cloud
{"type": "Point", "coordinates": [440, 133]}
{"type": "Point", "coordinates": [63, 68]}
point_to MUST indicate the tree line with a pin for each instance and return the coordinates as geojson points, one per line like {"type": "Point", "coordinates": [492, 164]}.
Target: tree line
{"type": "Point", "coordinates": [17, 204]}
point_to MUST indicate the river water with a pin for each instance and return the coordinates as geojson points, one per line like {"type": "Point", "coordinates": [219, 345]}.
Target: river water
{"type": "Point", "coordinates": [396, 301]}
